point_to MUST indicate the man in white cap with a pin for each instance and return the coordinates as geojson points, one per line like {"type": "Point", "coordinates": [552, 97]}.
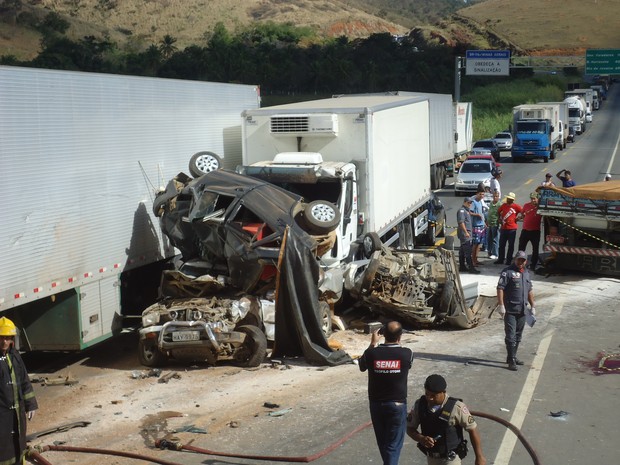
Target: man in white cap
{"type": "Point", "coordinates": [514, 292]}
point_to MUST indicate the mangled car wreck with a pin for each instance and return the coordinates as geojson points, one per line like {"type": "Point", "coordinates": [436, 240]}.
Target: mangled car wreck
{"type": "Point", "coordinates": [231, 231]}
{"type": "Point", "coordinates": [250, 271]}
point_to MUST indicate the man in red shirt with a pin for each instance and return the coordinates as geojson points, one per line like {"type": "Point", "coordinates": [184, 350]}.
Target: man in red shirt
{"type": "Point", "coordinates": [508, 212]}
{"type": "Point", "coordinates": [531, 228]}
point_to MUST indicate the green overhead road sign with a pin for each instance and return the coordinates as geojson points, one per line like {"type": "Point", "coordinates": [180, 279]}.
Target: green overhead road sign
{"type": "Point", "coordinates": [603, 61]}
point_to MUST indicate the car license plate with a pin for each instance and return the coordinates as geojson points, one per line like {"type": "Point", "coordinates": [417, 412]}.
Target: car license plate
{"type": "Point", "coordinates": [181, 336]}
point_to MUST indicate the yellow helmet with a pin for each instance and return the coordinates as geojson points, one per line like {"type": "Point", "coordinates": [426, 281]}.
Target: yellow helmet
{"type": "Point", "coordinates": [7, 327]}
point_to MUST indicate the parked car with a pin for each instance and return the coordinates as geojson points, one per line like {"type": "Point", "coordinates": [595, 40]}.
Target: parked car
{"type": "Point", "coordinates": [486, 146]}
{"type": "Point", "coordinates": [473, 171]}
{"type": "Point", "coordinates": [503, 140]}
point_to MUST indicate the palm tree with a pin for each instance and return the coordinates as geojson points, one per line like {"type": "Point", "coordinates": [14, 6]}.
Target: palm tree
{"type": "Point", "coordinates": [167, 47]}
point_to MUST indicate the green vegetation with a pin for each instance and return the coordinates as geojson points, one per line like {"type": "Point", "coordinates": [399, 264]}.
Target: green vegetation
{"type": "Point", "coordinates": [493, 102]}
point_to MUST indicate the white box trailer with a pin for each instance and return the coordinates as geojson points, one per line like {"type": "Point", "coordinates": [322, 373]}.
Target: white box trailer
{"type": "Point", "coordinates": [377, 146]}
{"type": "Point", "coordinates": [562, 125]}
{"type": "Point", "coordinates": [81, 157]}
{"type": "Point", "coordinates": [463, 128]}
{"type": "Point", "coordinates": [449, 123]}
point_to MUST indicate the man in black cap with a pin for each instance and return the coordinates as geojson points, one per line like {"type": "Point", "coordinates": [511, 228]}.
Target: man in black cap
{"type": "Point", "coordinates": [464, 233]}
{"type": "Point", "coordinates": [442, 420]}
{"type": "Point", "coordinates": [514, 291]}
{"type": "Point", "coordinates": [388, 366]}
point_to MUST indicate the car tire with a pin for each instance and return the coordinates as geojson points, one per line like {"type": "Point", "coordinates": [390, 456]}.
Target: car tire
{"type": "Point", "coordinates": [369, 276]}
{"type": "Point", "coordinates": [325, 318]}
{"type": "Point", "coordinates": [149, 355]}
{"type": "Point", "coordinates": [431, 235]}
{"type": "Point", "coordinates": [203, 163]}
{"type": "Point", "coordinates": [321, 216]}
{"type": "Point", "coordinates": [254, 348]}
{"type": "Point", "coordinates": [371, 242]}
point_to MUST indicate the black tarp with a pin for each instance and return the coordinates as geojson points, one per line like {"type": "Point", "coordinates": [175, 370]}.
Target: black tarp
{"type": "Point", "coordinates": [298, 330]}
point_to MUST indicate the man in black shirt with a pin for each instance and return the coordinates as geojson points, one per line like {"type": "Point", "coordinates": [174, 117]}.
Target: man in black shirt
{"type": "Point", "coordinates": [388, 366]}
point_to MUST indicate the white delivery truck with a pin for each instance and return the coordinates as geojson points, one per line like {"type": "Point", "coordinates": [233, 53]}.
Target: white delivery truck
{"type": "Point", "coordinates": [81, 157]}
{"type": "Point", "coordinates": [368, 155]}
{"type": "Point", "coordinates": [562, 127]}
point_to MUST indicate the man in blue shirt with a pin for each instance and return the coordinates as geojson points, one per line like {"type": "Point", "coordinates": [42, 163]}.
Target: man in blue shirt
{"type": "Point", "coordinates": [566, 178]}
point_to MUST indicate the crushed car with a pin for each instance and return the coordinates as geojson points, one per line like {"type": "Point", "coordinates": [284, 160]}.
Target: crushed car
{"type": "Point", "coordinates": [419, 288]}
{"type": "Point", "coordinates": [230, 230]}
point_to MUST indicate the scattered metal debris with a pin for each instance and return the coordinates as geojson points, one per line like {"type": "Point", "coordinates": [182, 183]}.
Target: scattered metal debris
{"type": "Point", "coordinates": [558, 414]}
{"type": "Point", "coordinates": [280, 413]}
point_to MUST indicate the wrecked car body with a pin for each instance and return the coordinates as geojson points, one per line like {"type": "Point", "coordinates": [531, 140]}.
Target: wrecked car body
{"type": "Point", "coordinates": [230, 230]}
{"type": "Point", "coordinates": [234, 224]}
{"type": "Point", "coordinates": [203, 329]}
{"type": "Point", "coordinates": [419, 288]}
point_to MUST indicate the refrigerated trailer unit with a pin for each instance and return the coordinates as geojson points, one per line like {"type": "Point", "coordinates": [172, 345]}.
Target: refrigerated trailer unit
{"type": "Point", "coordinates": [82, 156]}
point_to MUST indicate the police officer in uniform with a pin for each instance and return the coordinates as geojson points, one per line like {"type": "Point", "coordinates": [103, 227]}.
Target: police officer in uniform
{"type": "Point", "coordinates": [388, 366]}
{"type": "Point", "coordinates": [514, 291]}
{"type": "Point", "coordinates": [17, 400]}
{"type": "Point", "coordinates": [442, 420]}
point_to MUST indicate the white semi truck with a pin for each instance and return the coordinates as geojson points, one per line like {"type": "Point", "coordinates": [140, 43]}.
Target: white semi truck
{"type": "Point", "coordinates": [588, 96]}
{"type": "Point", "coordinates": [576, 113]}
{"type": "Point", "coordinates": [81, 157]}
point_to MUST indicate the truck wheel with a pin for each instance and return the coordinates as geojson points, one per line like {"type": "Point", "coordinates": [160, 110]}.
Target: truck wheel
{"type": "Point", "coordinates": [433, 177]}
{"type": "Point", "coordinates": [203, 163]}
{"type": "Point", "coordinates": [552, 155]}
{"type": "Point", "coordinates": [321, 216]}
{"type": "Point", "coordinates": [149, 355]}
{"type": "Point", "coordinates": [546, 159]}
{"type": "Point", "coordinates": [254, 348]}
{"type": "Point", "coordinates": [370, 244]}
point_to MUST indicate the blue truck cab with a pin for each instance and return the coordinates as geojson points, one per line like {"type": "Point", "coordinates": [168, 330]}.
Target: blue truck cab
{"type": "Point", "coordinates": [532, 139]}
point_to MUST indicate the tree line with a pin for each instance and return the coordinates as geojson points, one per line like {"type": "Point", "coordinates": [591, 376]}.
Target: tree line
{"type": "Point", "coordinates": [283, 59]}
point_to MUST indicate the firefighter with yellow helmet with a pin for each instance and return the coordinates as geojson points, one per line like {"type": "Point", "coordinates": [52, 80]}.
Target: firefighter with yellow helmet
{"type": "Point", "coordinates": [17, 400]}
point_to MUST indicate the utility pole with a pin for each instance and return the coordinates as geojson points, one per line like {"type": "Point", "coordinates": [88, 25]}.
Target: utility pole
{"type": "Point", "coordinates": [458, 64]}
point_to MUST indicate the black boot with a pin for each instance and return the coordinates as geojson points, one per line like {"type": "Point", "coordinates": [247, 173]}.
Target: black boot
{"type": "Point", "coordinates": [517, 361]}
{"type": "Point", "coordinates": [510, 359]}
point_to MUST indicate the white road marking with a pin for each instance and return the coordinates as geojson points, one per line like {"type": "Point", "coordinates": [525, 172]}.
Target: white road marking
{"type": "Point", "coordinates": [518, 416]}
{"type": "Point", "coordinates": [613, 155]}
